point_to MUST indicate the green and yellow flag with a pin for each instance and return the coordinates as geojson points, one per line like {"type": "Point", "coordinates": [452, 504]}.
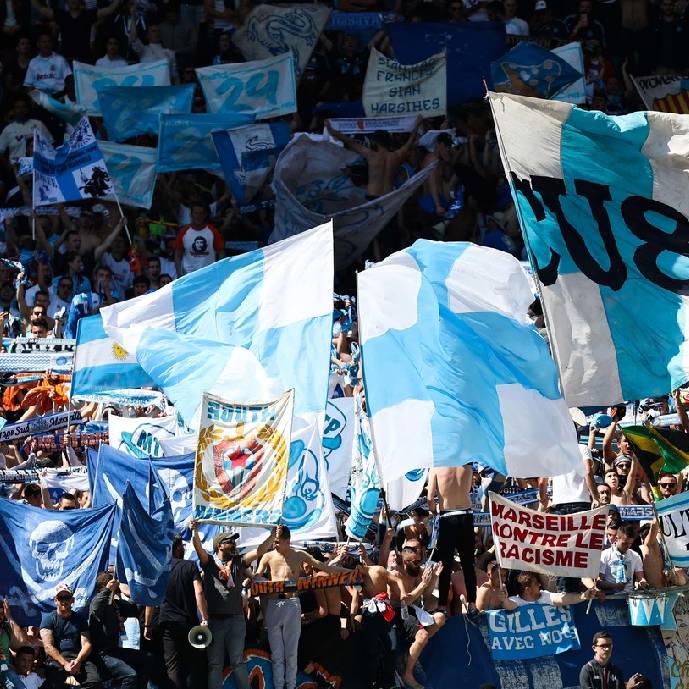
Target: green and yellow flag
{"type": "Point", "coordinates": [658, 449]}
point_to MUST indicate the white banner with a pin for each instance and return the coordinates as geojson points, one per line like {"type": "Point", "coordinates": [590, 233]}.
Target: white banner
{"type": "Point", "coordinates": [391, 88]}
{"type": "Point", "coordinates": [664, 92]}
{"type": "Point", "coordinates": [140, 436]}
{"type": "Point", "coordinates": [561, 545]}
{"type": "Point", "coordinates": [87, 78]}
{"type": "Point", "coordinates": [264, 88]}
{"type": "Point", "coordinates": [367, 125]}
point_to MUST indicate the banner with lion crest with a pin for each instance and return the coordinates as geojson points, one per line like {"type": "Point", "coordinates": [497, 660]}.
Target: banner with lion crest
{"type": "Point", "coordinates": [242, 459]}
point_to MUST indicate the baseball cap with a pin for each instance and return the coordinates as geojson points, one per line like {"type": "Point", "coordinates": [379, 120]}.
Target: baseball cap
{"type": "Point", "coordinates": [223, 536]}
{"type": "Point", "coordinates": [540, 5]}
{"type": "Point", "coordinates": [63, 588]}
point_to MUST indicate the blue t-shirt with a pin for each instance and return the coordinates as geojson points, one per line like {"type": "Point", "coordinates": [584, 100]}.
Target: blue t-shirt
{"type": "Point", "coordinates": [67, 631]}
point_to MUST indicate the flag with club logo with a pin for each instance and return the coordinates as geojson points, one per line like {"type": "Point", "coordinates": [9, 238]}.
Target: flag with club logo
{"type": "Point", "coordinates": [242, 460]}
{"type": "Point", "coordinates": [75, 171]}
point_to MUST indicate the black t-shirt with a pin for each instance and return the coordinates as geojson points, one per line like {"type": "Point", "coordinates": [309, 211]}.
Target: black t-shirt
{"type": "Point", "coordinates": [180, 602]}
{"type": "Point", "coordinates": [222, 598]}
{"type": "Point", "coordinates": [67, 631]}
{"type": "Point", "coordinates": [75, 34]}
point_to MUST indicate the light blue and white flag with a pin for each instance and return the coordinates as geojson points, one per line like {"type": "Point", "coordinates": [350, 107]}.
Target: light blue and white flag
{"type": "Point", "coordinates": [68, 112]}
{"type": "Point", "coordinates": [245, 329]}
{"type": "Point", "coordinates": [41, 549]}
{"type": "Point", "coordinates": [73, 172]}
{"type": "Point", "coordinates": [89, 78]}
{"type": "Point", "coordinates": [132, 171]}
{"type": "Point", "coordinates": [455, 372]}
{"type": "Point", "coordinates": [573, 55]}
{"type": "Point", "coordinates": [673, 516]}
{"type": "Point", "coordinates": [132, 110]}
{"type": "Point", "coordinates": [264, 88]}
{"type": "Point", "coordinates": [185, 143]}
{"type": "Point", "coordinates": [140, 436]}
{"type": "Point", "coordinates": [101, 365]}
{"type": "Point", "coordinates": [603, 205]}
{"type": "Point", "coordinates": [405, 490]}
{"type": "Point", "coordinates": [338, 439]}
{"type": "Point", "coordinates": [311, 186]}
{"type": "Point", "coordinates": [144, 548]}
{"type": "Point", "coordinates": [272, 30]}
{"type": "Point", "coordinates": [531, 631]}
{"type": "Point", "coordinates": [365, 482]}
{"type": "Point", "coordinates": [248, 154]}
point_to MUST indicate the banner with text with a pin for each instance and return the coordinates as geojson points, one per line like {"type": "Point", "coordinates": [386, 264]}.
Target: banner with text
{"type": "Point", "coordinates": [264, 88]}
{"type": "Point", "coordinates": [673, 514]}
{"type": "Point", "coordinates": [562, 545]}
{"type": "Point", "coordinates": [241, 461]}
{"type": "Point", "coordinates": [531, 631]}
{"type": "Point", "coordinates": [664, 92]}
{"type": "Point", "coordinates": [88, 78]}
{"type": "Point", "coordinates": [366, 125]}
{"type": "Point", "coordinates": [391, 88]}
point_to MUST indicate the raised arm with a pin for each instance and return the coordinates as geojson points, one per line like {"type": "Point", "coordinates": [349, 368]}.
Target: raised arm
{"type": "Point", "coordinates": [348, 141]}
{"type": "Point", "coordinates": [196, 542]}
{"type": "Point", "coordinates": [107, 242]}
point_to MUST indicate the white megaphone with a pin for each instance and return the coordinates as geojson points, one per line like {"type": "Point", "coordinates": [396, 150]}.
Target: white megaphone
{"type": "Point", "coordinates": [200, 636]}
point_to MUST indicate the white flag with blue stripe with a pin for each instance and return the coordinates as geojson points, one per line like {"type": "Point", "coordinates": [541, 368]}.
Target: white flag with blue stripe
{"type": "Point", "coordinates": [454, 370]}
{"type": "Point", "coordinates": [603, 203]}
{"type": "Point", "coordinates": [248, 327]}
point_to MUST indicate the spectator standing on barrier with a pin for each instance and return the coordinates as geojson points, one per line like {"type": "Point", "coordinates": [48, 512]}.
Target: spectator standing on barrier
{"type": "Point", "coordinates": [600, 673]}
{"type": "Point", "coordinates": [451, 487]}
{"type": "Point", "coordinates": [178, 614]}
{"type": "Point", "coordinates": [621, 568]}
{"type": "Point", "coordinates": [67, 644]}
{"type": "Point", "coordinates": [223, 574]}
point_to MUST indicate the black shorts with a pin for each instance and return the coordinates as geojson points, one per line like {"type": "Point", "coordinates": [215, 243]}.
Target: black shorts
{"type": "Point", "coordinates": [406, 629]}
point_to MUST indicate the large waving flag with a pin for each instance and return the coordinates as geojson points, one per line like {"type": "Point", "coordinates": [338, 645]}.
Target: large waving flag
{"type": "Point", "coordinates": [659, 449]}
{"type": "Point", "coordinates": [75, 171]}
{"type": "Point", "coordinates": [246, 329]}
{"type": "Point", "coordinates": [101, 365]}
{"type": "Point", "coordinates": [144, 548]}
{"type": "Point", "coordinates": [603, 205]}
{"type": "Point", "coordinates": [133, 172]}
{"type": "Point", "coordinates": [242, 461]}
{"type": "Point", "coordinates": [41, 549]}
{"type": "Point", "coordinates": [454, 370]}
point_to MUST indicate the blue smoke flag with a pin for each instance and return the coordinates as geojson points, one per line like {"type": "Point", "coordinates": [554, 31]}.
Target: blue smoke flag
{"type": "Point", "coordinates": [248, 154]}
{"type": "Point", "coordinates": [133, 110]}
{"type": "Point", "coordinates": [470, 46]}
{"type": "Point", "coordinates": [264, 88]}
{"type": "Point", "coordinates": [101, 365]}
{"type": "Point", "coordinates": [365, 482]}
{"type": "Point", "coordinates": [603, 207]}
{"type": "Point", "coordinates": [244, 329]}
{"type": "Point", "coordinates": [144, 547]}
{"type": "Point", "coordinates": [184, 141]}
{"type": "Point", "coordinates": [528, 65]}
{"type": "Point", "coordinates": [41, 549]}
{"type": "Point", "coordinates": [70, 113]}
{"type": "Point", "coordinates": [73, 172]}
{"type": "Point", "coordinates": [455, 371]}
{"type": "Point", "coordinates": [132, 171]}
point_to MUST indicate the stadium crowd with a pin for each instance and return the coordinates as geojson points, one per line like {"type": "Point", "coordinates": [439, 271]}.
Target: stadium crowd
{"type": "Point", "coordinates": [89, 255]}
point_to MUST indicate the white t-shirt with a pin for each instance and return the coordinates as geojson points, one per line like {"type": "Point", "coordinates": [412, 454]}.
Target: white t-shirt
{"type": "Point", "coordinates": [107, 63]}
{"type": "Point", "coordinates": [546, 598]}
{"type": "Point", "coordinates": [632, 563]}
{"type": "Point", "coordinates": [199, 247]}
{"type": "Point", "coordinates": [15, 135]}
{"type": "Point", "coordinates": [32, 680]}
{"type": "Point", "coordinates": [516, 27]}
{"type": "Point", "coordinates": [121, 271]}
{"type": "Point", "coordinates": [47, 73]}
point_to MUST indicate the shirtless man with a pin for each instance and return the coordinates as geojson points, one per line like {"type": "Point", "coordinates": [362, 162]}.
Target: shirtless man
{"type": "Point", "coordinates": [282, 610]}
{"type": "Point", "coordinates": [651, 556]}
{"type": "Point", "coordinates": [622, 496]}
{"type": "Point", "coordinates": [492, 594]}
{"type": "Point", "coordinates": [433, 186]}
{"type": "Point", "coordinates": [419, 625]}
{"type": "Point", "coordinates": [451, 488]}
{"type": "Point", "coordinates": [383, 163]}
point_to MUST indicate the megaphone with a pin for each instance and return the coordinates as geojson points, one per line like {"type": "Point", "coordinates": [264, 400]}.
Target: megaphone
{"type": "Point", "coordinates": [200, 636]}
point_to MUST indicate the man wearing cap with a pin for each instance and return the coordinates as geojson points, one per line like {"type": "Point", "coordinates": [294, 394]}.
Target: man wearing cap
{"type": "Point", "coordinates": [545, 27]}
{"type": "Point", "coordinates": [222, 576]}
{"type": "Point", "coordinates": [66, 641]}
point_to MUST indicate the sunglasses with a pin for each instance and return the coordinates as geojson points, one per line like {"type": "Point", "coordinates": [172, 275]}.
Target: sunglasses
{"type": "Point", "coordinates": [603, 645]}
{"type": "Point", "coordinates": [667, 485]}
{"type": "Point", "coordinates": [64, 598]}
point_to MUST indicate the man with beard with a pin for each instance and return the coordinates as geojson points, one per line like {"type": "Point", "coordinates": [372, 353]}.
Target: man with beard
{"type": "Point", "coordinates": [414, 624]}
